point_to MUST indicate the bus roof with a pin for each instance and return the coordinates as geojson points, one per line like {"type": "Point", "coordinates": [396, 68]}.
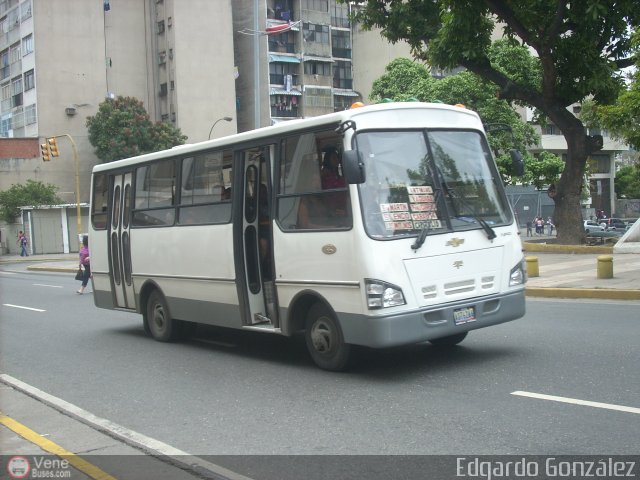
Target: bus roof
{"type": "Point", "coordinates": [289, 126]}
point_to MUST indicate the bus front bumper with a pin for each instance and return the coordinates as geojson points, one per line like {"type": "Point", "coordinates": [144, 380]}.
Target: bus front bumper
{"type": "Point", "coordinates": [433, 322]}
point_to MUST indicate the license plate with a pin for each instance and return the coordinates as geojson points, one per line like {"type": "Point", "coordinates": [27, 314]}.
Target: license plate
{"type": "Point", "coordinates": [464, 315]}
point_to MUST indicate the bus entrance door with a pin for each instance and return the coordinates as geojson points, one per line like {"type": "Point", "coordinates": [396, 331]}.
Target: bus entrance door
{"type": "Point", "coordinates": [256, 238]}
{"type": "Point", "coordinates": [119, 243]}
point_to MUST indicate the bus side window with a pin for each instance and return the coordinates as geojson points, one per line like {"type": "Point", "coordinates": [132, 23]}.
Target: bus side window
{"type": "Point", "coordinates": [99, 201]}
{"type": "Point", "coordinates": [312, 193]}
{"type": "Point", "coordinates": [205, 191]}
{"type": "Point", "coordinates": [155, 194]}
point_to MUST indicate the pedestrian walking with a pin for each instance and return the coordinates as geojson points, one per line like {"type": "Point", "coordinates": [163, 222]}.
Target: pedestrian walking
{"type": "Point", "coordinates": [85, 263]}
{"type": "Point", "coordinates": [23, 241]}
{"type": "Point", "coordinates": [529, 231]}
{"type": "Point", "coordinates": [539, 226]}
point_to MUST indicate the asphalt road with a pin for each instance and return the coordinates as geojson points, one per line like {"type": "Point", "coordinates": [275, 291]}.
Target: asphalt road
{"type": "Point", "coordinates": [239, 393]}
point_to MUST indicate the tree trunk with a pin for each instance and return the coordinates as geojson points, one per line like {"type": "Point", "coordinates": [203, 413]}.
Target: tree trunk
{"type": "Point", "coordinates": [568, 192]}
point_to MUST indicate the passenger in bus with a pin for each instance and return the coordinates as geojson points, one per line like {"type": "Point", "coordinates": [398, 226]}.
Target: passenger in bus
{"type": "Point", "coordinates": [331, 171]}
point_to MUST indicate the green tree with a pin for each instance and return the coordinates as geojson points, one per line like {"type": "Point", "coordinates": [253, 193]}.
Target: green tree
{"type": "Point", "coordinates": [30, 194]}
{"type": "Point", "coordinates": [579, 48]}
{"type": "Point", "coordinates": [622, 119]}
{"type": "Point", "coordinates": [627, 182]}
{"type": "Point", "coordinates": [122, 128]}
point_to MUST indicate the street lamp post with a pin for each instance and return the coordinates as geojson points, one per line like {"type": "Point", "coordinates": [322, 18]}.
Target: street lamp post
{"type": "Point", "coordinates": [226, 119]}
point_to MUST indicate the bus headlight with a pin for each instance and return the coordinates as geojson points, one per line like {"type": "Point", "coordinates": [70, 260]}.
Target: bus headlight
{"type": "Point", "coordinates": [518, 275]}
{"type": "Point", "coordinates": [382, 294]}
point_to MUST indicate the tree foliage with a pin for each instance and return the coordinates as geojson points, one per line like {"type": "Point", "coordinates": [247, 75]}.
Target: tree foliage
{"type": "Point", "coordinates": [30, 194]}
{"type": "Point", "coordinates": [579, 50]}
{"type": "Point", "coordinates": [405, 79]}
{"type": "Point", "coordinates": [622, 119]}
{"type": "Point", "coordinates": [122, 128]}
{"type": "Point", "coordinates": [627, 182]}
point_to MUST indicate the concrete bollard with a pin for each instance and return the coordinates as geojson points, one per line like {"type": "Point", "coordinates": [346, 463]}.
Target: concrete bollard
{"type": "Point", "coordinates": [532, 266]}
{"type": "Point", "coordinates": [605, 266]}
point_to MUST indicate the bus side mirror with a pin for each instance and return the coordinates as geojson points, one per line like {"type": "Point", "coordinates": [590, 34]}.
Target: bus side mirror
{"type": "Point", "coordinates": [517, 162]}
{"type": "Point", "coordinates": [353, 167]}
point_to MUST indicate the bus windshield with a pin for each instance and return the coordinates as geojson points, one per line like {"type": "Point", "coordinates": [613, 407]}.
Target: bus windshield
{"type": "Point", "coordinates": [429, 182]}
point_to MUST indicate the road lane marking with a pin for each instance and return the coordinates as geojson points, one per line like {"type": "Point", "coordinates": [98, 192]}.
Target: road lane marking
{"type": "Point", "coordinates": [132, 438]}
{"type": "Point", "coordinates": [575, 401]}
{"type": "Point", "coordinates": [23, 308]}
{"type": "Point", "coordinates": [51, 447]}
{"type": "Point", "coordinates": [45, 285]}
{"type": "Point", "coordinates": [7, 273]}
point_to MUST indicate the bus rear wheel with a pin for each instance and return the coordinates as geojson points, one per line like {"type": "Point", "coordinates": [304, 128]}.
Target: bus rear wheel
{"type": "Point", "coordinates": [449, 341]}
{"type": "Point", "coordinates": [158, 320]}
{"type": "Point", "coordinates": [324, 339]}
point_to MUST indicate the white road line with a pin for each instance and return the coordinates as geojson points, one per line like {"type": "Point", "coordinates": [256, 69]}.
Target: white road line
{"type": "Point", "coordinates": [23, 308]}
{"type": "Point", "coordinates": [45, 285]}
{"type": "Point", "coordinates": [129, 437]}
{"type": "Point", "coordinates": [7, 273]}
{"type": "Point", "coordinates": [575, 401]}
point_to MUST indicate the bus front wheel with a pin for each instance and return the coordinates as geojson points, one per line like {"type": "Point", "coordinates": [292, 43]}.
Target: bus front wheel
{"type": "Point", "coordinates": [324, 339]}
{"type": "Point", "coordinates": [158, 320]}
{"type": "Point", "coordinates": [449, 341]}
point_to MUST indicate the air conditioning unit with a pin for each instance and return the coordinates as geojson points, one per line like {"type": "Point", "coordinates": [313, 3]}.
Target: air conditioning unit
{"type": "Point", "coordinates": [70, 111]}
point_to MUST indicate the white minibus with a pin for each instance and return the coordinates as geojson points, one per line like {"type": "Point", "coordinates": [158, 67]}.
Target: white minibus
{"type": "Point", "coordinates": [377, 226]}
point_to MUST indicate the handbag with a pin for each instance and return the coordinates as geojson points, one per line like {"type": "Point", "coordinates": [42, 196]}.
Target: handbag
{"type": "Point", "coordinates": [79, 274]}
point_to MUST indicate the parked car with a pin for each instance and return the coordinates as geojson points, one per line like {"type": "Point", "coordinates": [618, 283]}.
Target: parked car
{"type": "Point", "coordinates": [613, 223]}
{"type": "Point", "coordinates": [591, 226]}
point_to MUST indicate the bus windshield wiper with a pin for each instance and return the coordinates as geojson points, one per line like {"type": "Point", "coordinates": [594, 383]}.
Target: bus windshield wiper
{"type": "Point", "coordinates": [491, 234]}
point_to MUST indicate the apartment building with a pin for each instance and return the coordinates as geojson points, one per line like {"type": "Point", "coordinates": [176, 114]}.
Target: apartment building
{"type": "Point", "coordinates": [294, 59]}
{"type": "Point", "coordinates": [60, 59]}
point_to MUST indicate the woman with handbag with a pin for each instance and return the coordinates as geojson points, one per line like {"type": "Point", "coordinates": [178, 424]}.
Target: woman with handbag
{"type": "Point", "coordinates": [85, 263]}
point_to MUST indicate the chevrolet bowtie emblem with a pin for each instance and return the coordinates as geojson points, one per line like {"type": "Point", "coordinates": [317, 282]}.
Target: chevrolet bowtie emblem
{"type": "Point", "coordinates": [455, 242]}
{"type": "Point", "coordinates": [458, 263]}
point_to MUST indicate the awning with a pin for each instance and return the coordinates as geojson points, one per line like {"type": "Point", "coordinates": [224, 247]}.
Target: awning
{"type": "Point", "coordinates": [283, 58]}
{"type": "Point", "coordinates": [282, 91]}
{"type": "Point", "coordinates": [309, 58]}
{"type": "Point", "coordinates": [346, 93]}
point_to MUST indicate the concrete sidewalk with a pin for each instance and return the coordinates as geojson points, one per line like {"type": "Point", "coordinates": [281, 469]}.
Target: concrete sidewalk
{"type": "Point", "coordinates": [36, 428]}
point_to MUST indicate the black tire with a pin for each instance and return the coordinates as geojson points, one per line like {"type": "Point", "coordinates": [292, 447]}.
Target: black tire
{"type": "Point", "coordinates": [324, 339]}
{"type": "Point", "coordinates": [449, 341]}
{"type": "Point", "coordinates": [161, 326]}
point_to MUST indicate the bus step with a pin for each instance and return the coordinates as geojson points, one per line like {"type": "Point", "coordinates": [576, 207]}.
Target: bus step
{"type": "Point", "coordinates": [258, 318]}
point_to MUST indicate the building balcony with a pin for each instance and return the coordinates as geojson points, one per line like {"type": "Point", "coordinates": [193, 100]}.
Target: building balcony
{"type": "Point", "coordinates": [281, 47]}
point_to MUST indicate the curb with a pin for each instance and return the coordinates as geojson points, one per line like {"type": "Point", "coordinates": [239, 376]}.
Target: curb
{"type": "Point", "coordinates": [52, 269]}
{"type": "Point", "coordinates": [551, 248]}
{"type": "Point", "coordinates": [602, 293]}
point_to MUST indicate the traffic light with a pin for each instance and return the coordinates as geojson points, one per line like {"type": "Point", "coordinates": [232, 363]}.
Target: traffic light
{"type": "Point", "coordinates": [53, 147]}
{"type": "Point", "coordinates": [46, 153]}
